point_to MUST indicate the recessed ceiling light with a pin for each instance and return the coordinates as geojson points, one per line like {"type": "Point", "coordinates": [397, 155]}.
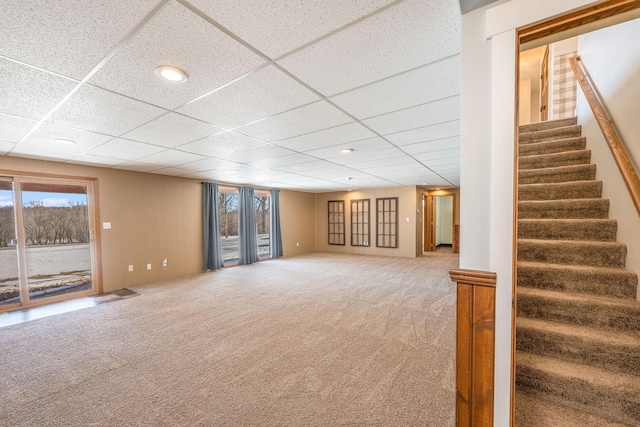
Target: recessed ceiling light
{"type": "Point", "coordinates": [172, 74]}
{"type": "Point", "coordinates": [64, 141]}
{"type": "Point", "coordinates": [347, 150]}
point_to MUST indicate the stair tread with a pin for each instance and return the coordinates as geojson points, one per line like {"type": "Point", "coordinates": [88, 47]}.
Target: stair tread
{"type": "Point", "coordinates": [613, 338]}
{"type": "Point", "coordinates": [571, 153]}
{"type": "Point", "coordinates": [558, 184]}
{"type": "Point", "coordinates": [626, 384]}
{"type": "Point", "coordinates": [548, 124]}
{"type": "Point", "coordinates": [580, 298]}
{"type": "Point", "coordinates": [587, 269]}
{"type": "Point", "coordinates": [564, 242]}
{"type": "Point", "coordinates": [533, 411]}
{"type": "Point", "coordinates": [549, 134]}
{"type": "Point", "coordinates": [570, 221]}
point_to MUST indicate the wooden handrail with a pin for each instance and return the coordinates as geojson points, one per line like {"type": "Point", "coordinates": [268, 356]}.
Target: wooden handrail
{"type": "Point", "coordinates": [611, 135]}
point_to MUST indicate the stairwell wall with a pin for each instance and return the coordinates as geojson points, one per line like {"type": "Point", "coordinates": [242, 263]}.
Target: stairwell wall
{"type": "Point", "coordinates": [614, 65]}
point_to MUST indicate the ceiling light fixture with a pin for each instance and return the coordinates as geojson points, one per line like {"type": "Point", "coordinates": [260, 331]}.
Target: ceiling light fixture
{"type": "Point", "coordinates": [347, 150]}
{"type": "Point", "coordinates": [171, 74]}
{"type": "Point", "coordinates": [64, 141]}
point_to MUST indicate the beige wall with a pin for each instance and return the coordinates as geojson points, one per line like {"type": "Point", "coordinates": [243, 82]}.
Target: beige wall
{"type": "Point", "coordinates": [407, 234]}
{"type": "Point", "coordinates": [153, 217]}
{"type": "Point", "coordinates": [297, 221]}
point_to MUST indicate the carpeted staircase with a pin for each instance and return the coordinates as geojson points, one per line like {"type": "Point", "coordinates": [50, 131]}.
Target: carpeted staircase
{"type": "Point", "coordinates": [578, 322]}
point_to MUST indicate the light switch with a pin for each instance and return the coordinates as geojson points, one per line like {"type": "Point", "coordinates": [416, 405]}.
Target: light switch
{"type": "Point", "coordinates": [106, 226]}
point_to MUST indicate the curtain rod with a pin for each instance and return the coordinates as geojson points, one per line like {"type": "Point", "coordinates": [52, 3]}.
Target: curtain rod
{"type": "Point", "coordinates": [238, 186]}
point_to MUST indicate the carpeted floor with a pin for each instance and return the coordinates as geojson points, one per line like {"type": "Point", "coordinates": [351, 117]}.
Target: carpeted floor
{"type": "Point", "coordinates": [317, 340]}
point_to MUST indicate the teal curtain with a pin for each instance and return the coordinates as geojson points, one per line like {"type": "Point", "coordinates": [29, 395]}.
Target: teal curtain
{"type": "Point", "coordinates": [276, 235]}
{"type": "Point", "coordinates": [211, 227]}
{"type": "Point", "coordinates": [247, 229]}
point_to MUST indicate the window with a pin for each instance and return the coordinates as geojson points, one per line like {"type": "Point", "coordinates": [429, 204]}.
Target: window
{"type": "Point", "coordinates": [336, 222]}
{"type": "Point", "coordinates": [228, 211]}
{"type": "Point", "coordinates": [387, 222]}
{"type": "Point", "coordinates": [360, 230]}
{"type": "Point", "coordinates": [263, 223]}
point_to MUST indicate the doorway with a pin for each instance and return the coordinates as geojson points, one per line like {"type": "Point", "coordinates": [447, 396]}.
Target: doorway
{"type": "Point", "coordinates": [439, 222]}
{"type": "Point", "coordinates": [47, 241]}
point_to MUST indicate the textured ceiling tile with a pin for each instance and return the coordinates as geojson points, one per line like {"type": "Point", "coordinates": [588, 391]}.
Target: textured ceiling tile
{"type": "Point", "coordinates": [305, 167]}
{"type": "Point", "coordinates": [68, 37]}
{"type": "Point", "coordinates": [398, 162]}
{"type": "Point", "coordinates": [172, 130]}
{"type": "Point", "coordinates": [292, 159]}
{"type": "Point", "coordinates": [358, 147]}
{"type": "Point", "coordinates": [136, 167]}
{"type": "Point", "coordinates": [98, 110]}
{"type": "Point", "coordinates": [172, 171]}
{"type": "Point", "coordinates": [175, 36]}
{"type": "Point", "coordinates": [5, 146]}
{"type": "Point", "coordinates": [28, 92]}
{"type": "Point", "coordinates": [428, 133]}
{"type": "Point", "coordinates": [84, 140]}
{"type": "Point", "coordinates": [263, 93]}
{"type": "Point", "coordinates": [275, 28]}
{"type": "Point", "coordinates": [386, 153]}
{"type": "Point", "coordinates": [444, 110]}
{"type": "Point", "coordinates": [426, 84]}
{"type": "Point", "coordinates": [221, 144]}
{"type": "Point", "coordinates": [210, 165]}
{"type": "Point", "coordinates": [13, 128]}
{"type": "Point", "coordinates": [416, 32]}
{"type": "Point", "coordinates": [171, 158]}
{"type": "Point", "coordinates": [310, 118]}
{"type": "Point", "coordinates": [453, 160]}
{"type": "Point", "coordinates": [409, 168]}
{"type": "Point", "coordinates": [438, 144]}
{"type": "Point", "coordinates": [258, 153]}
{"type": "Point", "coordinates": [88, 159]}
{"type": "Point", "coordinates": [125, 149]}
{"type": "Point", "coordinates": [44, 153]}
{"type": "Point", "coordinates": [327, 137]}
{"type": "Point", "coordinates": [433, 155]}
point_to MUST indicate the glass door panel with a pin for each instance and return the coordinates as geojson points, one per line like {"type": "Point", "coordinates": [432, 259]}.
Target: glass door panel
{"type": "Point", "coordinates": [57, 238]}
{"type": "Point", "coordinates": [9, 276]}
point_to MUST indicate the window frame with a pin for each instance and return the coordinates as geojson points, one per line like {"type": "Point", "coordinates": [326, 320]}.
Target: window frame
{"type": "Point", "coordinates": [359, 225]}
{"type": "Point", "coordinates": [388, 222]}
{"type": "Point", "coordinates": [331, 223]}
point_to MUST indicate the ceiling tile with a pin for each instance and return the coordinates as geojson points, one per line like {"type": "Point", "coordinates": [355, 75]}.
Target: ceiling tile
{"type": "Point", "coordinates": [171, 158]}
{"type": "Point", "coordinates": [408, 168]}
{"type": "Point", "coordinates": [433, 155]}
{"type": "Point", "coordinates": [125, 149]}
{"type": "Point", "coordinates": [221, 144]}
{"type": "Point", "coordinates": [13, 128]}
{"type": "Point", "coordinates": [136, 167]}
{"type": "Point", "coordinates": [208, 56]}
{"type": "Point", "coordinates": [275, 28]}
{"type": "Point", "coordinates": [444, 110]}
{"type": "Point", "coordinates": [88, 159]}
{"type": "Point", "coordinates": [305, 167]}
{"type": "Point", "coordinates": [415, 33]}
{"type": "Point", "coordinates": [5, 146]}
{"type": "Point", "coordinates": [69, 38]}
{"type": "Point", "coordinates": [307, 119]}
{"type": "Point", "coordinates": [327, 137]}
{"type": "Point", "coordinates": [453, 160]}
{"type": "Point", "coordinates": [288, 160]}
{"type": "Point", "coordinates": [172, 171]}
{"type": "Point", "coordinates": [363, 156]}
{"type": "Point", "coordinates": [172, 130]}
{"type": "Point", "coordinates": [258, 153]}
{"type": "Point", "coordinates": [405, 90]}
{"type": "Point", "coordinates": [359, 147]}
{"type": "Point", "coordinates": [28, 92]}
{"type": "Point", "coordinates": [98, 110]}
{"type": "Point", "coordinates": [263, 93]}
{"type": "Point", "coordinates": [435, 145]}
{"type": "Point", "coordinates": [210, 165]}
{"type": "Point", "coordinates": [428, 133]}
{"type": "Point", "coordinates": [84, 140]}
{"type": "Point", "coordinates": [45, 153]}
{"type": "Point", "coordinates": [395, 162]}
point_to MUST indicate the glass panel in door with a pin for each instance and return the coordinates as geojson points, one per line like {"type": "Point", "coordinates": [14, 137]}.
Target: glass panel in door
{"type": "Point", "coordinates": [57, 239]}
{"type": "Point", "coordinates": [9, 277]}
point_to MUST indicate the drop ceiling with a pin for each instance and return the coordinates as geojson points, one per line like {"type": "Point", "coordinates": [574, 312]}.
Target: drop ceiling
{"type": "Point", "coordinates": [275, 91]}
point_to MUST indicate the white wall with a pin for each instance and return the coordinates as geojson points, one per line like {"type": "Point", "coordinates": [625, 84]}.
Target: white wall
{"type": "Point", "coordinates": [444, 220]}
{"type": "Point", "coordinates": [487, 158]}
{"type": "Point", "coordinates": [614, 65]}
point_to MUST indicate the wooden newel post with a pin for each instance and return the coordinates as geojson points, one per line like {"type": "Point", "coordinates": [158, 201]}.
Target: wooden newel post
{"type": "Point", "coordinates": [475, 346]}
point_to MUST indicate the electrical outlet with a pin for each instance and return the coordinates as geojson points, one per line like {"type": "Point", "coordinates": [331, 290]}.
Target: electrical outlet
{"type": "Point", "coordinates": [164, 262]}
{"type": "Point", "coordinates": [148, 266]}
{"type": "Point", "coordinates": [131, 268]}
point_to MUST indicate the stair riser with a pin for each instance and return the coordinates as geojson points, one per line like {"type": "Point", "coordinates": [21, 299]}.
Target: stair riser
{"type": "Point", "coordinates": [559, 146]}
{"type": "Point", "coordinates": [596, 209]}
{"type": "Point", "coordinates": [550, 135]}
{"type": "Point", "coordinates": [621, 284]}
{"type": "Point", "coordinates": [581, 350]}
{"type": "Point", "coordinates": [571, 190]}
{"type": "Point", "coordinates": [550, 124]}
{"type": "Point", "coordinates": [608, 402]}
{"type": "Point", "coordinates": [604, 230]}
{"type": "Point", "coordinates": [555, 160]}
{"type": "Point", "coordinates": [575, 254]}
{"type": "Point", "coordinates": [542, 176]}
{"type": "Point", "coordinates": [592, 313]}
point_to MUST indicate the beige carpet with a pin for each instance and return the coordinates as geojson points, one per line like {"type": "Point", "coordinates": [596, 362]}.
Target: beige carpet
{"type": "Point", "coordinates": [318, 340]}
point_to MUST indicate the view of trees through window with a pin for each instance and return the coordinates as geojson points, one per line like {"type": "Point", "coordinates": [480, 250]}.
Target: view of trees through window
{"type": "Point", "coordinates": [228, 212]}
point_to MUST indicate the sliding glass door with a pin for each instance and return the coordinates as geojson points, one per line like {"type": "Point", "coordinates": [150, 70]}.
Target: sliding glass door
{"type": "Point", "coordinates": [47, 238]}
